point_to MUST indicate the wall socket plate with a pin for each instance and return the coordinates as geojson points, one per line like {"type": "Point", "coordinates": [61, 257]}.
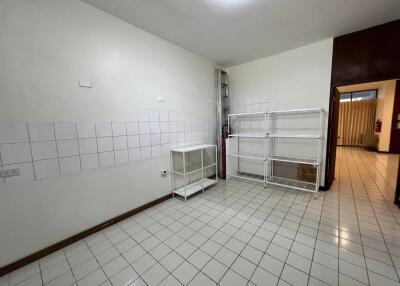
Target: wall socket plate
{"type": "Point", "coordinates": [9, 173]}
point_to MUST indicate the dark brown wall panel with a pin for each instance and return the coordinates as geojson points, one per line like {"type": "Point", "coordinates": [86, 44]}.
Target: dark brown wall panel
{"type": "Point", "coordinates": [365, 56]}
{"type": "Point", "coordinates": [368, 55]}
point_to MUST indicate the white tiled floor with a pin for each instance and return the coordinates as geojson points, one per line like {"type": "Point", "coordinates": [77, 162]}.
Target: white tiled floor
{"type": "Point", "coordinates": [238, 233]}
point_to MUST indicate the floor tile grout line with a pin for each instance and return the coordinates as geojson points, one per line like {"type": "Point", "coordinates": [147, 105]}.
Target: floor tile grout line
{"type": "Point", "coordinates": [393, 265]}
{"type": "Point", "coordinates": [388, 206]}
{"type": "Point", "coordinates": [232, 236]}
{"type": "Point", "coordinates": [265, 253]}
{"type": "Point", "coordinates": [166, 255]}
{"type": "Point", "coordinates": [358, 222]}
{"type": "Point", "coordinates": [316, 240]}
{"type": "Point", "coordinates": [94, 256]}
{"type": "Point", "coordinates": [70, 269]}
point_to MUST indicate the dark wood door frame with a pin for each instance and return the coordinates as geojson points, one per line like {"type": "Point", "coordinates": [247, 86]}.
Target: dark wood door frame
{"type": "Point", "coordinates": [394, 146]}
{"type": "Point", "coordinates": [366, 56]}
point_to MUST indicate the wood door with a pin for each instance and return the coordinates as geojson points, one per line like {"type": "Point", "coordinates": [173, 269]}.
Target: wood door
{"type": "Point", "coordinates": [332, 137]}
{"type": "Point", "coordinates": [395, 130]}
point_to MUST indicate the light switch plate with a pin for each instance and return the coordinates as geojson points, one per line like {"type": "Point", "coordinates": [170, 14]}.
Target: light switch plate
{"type": "Point", "coordinates": [9, 173]}
{"type": "Point", "coordinates": [85, 83]}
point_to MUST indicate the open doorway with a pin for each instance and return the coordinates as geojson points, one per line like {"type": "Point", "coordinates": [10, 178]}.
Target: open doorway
{"type": "Point", "coordinates": [368, 134]}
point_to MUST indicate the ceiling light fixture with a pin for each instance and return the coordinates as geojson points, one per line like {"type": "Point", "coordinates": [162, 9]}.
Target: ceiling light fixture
{"type": "Point", "coordinates": [227, 4]}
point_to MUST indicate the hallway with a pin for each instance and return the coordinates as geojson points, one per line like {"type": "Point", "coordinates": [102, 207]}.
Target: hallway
{"type": "Point", "coordinates": [363, 195]}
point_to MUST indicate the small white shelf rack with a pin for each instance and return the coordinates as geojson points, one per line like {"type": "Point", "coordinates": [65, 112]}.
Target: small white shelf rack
{"type": "Point", "coordinates": [266, 137]}
{"type": "Point", "coordinates": [192, 168]}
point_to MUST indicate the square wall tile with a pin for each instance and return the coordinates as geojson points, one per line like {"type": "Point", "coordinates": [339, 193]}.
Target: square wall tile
{"type": "Point", "coordinates": [173, 127]}
{"type": "Point", "coordinates": [155, 127]}
{"type": "Point", "coordinates": [90, 161]}
{"type": "Point", "coordinates": [145, 152]}
{"type": "Point", "coordinates": [25, 170]}
{"type": "Point", "coordinates": [132, 128]}
{"type": "Point", "coordinates": [105, 144]}
{"type": "Point", "coordinates": [172, 115]}
{"type": "Point", "coordinates": [144, 115]}
{"type": "Point", "coordinates": [145, 140]}
{"type": "Point", "coordinates": [103, 129]}
{"type": "Point", "coordinates": [118, 128]}
{"type": "Point", "coordinates": [46, 168]}
{"type": "Point", "coordinates": [165, 148]}
{"type": "Point", "coordinates": [164, 127]}
{"type": "Point", "coordinates": [67, 148]}
{"type": "Point", "coordinates": [180, 126]}
{"type": "Point", "coordinates": [41, 131]}
{"type": "Point", "coordinates": [44, 150]}
{"type": "Point", "coordinates": [156, 151]}
{"type": "Point", "coordinates": [86, 130]}
{"type": "Point", "coordinates": [134, 154]}
{"type": "Point", "coordinates": [155, 139]}
{"type": "Point", "coordinates": [120, 143]}
{"type": "Point", "coordinates": [69, 165]}
{"type": "Point", "coordinates": [106, 159]}
{"type": "Point", "coordinates": [13, 132]}
{"type": "Point", "coordinates": [121, 156]}
{"type": "Point", "coordinates": [65, 130]}
{"type": "Point", "coordinates": [133, 141]}
{"type": "Point", "coordinates": [154, 115]}
{"type": "Point", "coordinates": [144, 127]}
{"type": "Point", "coordinates": [164, 115]}
{"type": "Point", "coordinates": [173, 137]}
{"type": "Point", "coordinates": [164, 138]}
{"type": "Point", "coordinates": [15, 153]}
{"type": "Point", "coordinates": [88, 146]}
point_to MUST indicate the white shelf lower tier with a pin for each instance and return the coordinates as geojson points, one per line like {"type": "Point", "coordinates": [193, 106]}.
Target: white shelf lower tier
{"type": "Point", "coordinates": [294, 184]}
{"type": "Point", "coordinates": [307, 161]}
{"type": "Point", "coordinates": [247, 176]}
{"type": "Point", "coordinates": [195, 187]}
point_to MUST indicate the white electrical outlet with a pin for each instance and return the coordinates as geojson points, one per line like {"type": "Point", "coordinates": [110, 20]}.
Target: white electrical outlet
{"type": "Point", "coordinates": [85, 83]}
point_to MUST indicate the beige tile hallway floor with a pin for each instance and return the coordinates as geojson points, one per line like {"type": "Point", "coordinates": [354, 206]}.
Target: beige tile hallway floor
{"type": "Point", "coordinates": [238, 233]}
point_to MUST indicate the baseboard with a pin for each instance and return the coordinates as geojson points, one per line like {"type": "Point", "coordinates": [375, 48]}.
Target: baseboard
{"type": "Point", "coordinates": [60, 245]}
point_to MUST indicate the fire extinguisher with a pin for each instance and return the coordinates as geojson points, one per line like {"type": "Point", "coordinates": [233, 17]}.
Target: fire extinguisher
{"type": "Point", "coordinates": [378, 126]}
{"type": "Point", "coordinates": [225, 134]}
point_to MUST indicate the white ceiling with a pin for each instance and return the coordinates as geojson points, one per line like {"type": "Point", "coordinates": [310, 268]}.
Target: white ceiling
{"type": "Point", "coordinates": [230, 32]}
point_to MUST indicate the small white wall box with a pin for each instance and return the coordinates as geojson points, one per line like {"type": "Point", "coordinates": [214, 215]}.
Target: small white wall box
{"type": "Point", "coordinates": [193, 169]}
{"type": "Point", "coordinates": [160, 99]}
{"type": "Point", "coordinates": [9, 173]}
{"type": "Point", "coordinates": [85, 83]}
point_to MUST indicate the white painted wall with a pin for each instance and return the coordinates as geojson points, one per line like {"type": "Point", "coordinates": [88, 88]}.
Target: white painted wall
{"type": "Point", "coordinates": [299, 78]}
{"type": "Point", "coordinates": [46, 47]}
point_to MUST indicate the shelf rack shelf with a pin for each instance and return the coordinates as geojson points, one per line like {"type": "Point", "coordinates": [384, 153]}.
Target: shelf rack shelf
{"type": "Point", "coordinates": [183, 157]}
{"type": "Point", "coordinates": [268, 156]}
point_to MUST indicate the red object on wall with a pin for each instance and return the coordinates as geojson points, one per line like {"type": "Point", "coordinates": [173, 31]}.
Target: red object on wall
{"type": "Point", "coordinates": [223, 158]}
{"type": "Point", "coordinates": [378, 126]}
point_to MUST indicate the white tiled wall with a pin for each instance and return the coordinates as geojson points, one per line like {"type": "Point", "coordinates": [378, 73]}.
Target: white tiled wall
{"type": "Point", "coordinates": [47, 149]}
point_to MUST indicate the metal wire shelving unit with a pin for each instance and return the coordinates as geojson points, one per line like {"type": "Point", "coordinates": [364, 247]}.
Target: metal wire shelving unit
{"type": "Point", "coordinates": [192, 164]}
{"type": "Point", "coordinates": [268, 137]}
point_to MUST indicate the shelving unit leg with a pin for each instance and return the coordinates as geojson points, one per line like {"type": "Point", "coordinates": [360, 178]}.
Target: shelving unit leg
{"type": "Point", "coordinates": [184, 174]}
{"type": "Point", "coordinates": [202, 169]}
{"type": "Point", "coordinates": [172, 175]}
{"type": "Point", "coordinates": [216, 162]}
